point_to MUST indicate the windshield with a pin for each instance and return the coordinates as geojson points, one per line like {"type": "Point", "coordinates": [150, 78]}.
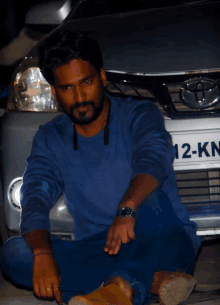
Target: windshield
{"type": "Point", "coordinates": [93, 8]}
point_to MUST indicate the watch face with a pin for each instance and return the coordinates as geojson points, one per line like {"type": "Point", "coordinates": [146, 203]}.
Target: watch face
{"type": "Point", "coordinates": [124, 212]}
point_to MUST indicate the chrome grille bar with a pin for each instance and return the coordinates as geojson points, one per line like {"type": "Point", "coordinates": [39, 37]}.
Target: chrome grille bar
{"type": "Point", "coordinates": [199, 187]}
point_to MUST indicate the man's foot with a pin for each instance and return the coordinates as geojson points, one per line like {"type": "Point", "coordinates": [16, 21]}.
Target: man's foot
{"type": "Point", "coordinates": [108, 295]}
{"type": "Point", "coordinates": [124, 286]}
{"type": "Point", "coordinates": [172, 287]}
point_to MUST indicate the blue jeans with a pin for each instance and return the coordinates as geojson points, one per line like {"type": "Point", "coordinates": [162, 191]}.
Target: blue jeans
{"type": "Point", "coordinates": [161, 244]}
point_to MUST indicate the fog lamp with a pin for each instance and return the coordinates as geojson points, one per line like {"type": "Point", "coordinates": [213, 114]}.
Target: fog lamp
{"type": "Point", "coordinates": [14, 192]}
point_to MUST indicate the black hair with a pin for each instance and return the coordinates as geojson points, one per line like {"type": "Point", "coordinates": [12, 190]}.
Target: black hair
{"type": "Point", "coordinates": [62, 47]}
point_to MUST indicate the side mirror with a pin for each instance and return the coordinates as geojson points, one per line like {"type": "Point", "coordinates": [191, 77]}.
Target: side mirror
{"type": "Point", "coordinates": [52, 12]}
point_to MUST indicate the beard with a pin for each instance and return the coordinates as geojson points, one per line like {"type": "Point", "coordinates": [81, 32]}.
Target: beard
{"type": "Point", "coordinates": [83, 119]}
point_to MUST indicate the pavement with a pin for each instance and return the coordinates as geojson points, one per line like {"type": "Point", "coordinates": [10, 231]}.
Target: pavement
{"type": "Point", "coordinates": [12, 295]}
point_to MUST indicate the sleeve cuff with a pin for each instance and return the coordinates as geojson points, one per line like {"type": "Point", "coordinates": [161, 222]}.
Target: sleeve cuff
{"type": "Point", "coordinates": [34, 224]}
{"type": "Point", "coordinates": [153, 172]}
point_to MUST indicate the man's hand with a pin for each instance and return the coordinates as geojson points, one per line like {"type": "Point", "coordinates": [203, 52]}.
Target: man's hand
{"type": "Point", "coordinates": [121, 231]}
{"type": "Point", "coordinates": [46, 278]}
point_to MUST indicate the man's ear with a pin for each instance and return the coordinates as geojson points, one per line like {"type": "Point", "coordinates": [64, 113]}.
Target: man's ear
{"type": "Point", "coordinates": [103, 77]}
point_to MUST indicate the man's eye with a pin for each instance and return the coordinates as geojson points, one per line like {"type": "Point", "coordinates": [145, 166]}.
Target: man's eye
{"type": "Point", "coordinates": [65, 88]}
{"type": "Point", "coordinates": [87, 81]}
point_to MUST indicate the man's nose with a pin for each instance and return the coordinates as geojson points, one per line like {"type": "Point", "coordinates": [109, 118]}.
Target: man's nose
{"type": "Point", "coordinates": [79, 95]}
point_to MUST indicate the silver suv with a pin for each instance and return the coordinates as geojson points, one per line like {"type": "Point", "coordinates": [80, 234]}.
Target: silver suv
{"type": "Point", "coordinates": [169, 55]}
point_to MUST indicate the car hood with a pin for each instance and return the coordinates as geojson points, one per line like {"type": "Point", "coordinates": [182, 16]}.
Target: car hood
{"type": "Point", "coordinates": [169, 40]}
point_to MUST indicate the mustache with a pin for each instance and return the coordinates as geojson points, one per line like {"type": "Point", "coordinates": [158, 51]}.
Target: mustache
{"type": "Point", "coordinates": [83, 104]}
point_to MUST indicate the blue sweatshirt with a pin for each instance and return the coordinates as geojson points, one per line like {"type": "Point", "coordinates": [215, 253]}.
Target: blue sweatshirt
{"type": "Point", "coordinates": [95, 177]}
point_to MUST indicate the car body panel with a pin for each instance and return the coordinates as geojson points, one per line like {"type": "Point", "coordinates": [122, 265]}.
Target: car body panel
{"type": "Point", "coordinates": [18, 131]}
{"type": "Point", "coordinates": [173, 39]}
{"type": "Point", "coordinates": [49, 13]}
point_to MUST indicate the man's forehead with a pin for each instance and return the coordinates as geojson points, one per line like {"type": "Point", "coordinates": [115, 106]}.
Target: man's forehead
{"type": "Point", "coordinates": [76, 69]}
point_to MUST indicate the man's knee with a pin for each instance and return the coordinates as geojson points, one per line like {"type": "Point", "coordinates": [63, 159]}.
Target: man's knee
{"type": "Point", "coordinates": [14, 252]}
{"type": "Point", "coordinates": [157, 212]}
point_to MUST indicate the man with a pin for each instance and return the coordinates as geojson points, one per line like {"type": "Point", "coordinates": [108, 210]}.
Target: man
{"type": "Point", "coordinates": [112, 159]}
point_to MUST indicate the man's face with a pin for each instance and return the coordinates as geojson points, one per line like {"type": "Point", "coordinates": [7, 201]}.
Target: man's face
{"type": "Point", "coordinates": [79, 88]}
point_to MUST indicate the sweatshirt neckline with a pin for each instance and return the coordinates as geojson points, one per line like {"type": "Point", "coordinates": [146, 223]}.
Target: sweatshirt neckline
{"type": "Point", "coordinates": [100, 135]}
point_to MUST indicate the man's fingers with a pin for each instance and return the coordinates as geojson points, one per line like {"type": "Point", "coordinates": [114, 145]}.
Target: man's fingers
{"type": "Point", "coordinates": [117, 248]}
{"type": "Point", "coordinates": [108, 241]}
{"type": "Point", "coordinates": [57, 294]}
{"type": "Point", "coordinates": [123, 232]}
{"type": "Point", "coordinates": [113, 244]}
{"type": "Point", "coordinates": [125, 237]}
{"type": "Point", "coordinates": [36, 289]}
{"type": "Point", "coordinates": [49, 291]}
{"type": "Point", "coordinates": [131, 234]}
{"type": "Point", "coordinates": [42, 288]}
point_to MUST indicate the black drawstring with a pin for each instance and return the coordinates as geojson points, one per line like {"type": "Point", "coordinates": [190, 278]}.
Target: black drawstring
{"type": "Point", "coordinates": [106, 135]}
{"type": "Point", "coordinates": [106, 131]}
{"type": "Point", "coordinates": [75, 142]}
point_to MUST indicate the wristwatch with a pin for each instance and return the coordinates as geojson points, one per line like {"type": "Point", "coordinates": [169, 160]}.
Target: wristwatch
{"type": "Point", "coordinates": [127, 212]}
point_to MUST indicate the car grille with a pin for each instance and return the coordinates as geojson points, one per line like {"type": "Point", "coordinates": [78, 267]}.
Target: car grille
{"type": "Point", "coordinates": [164, 90]}
{"type": "Point", "coordinates": [199, 187]}
{"type": "Point", "coordinates": [129, 90]}
{"type": "Point", "coordinates": [200, 193]}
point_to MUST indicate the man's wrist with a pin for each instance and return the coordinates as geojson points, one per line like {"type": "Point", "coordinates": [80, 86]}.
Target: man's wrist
{"type": "Point", "coordinates": [127, 203]}
{"type": "Point", "coordinates": [42, 251]}
{"type": "Point", "coordinates": [39, 241]}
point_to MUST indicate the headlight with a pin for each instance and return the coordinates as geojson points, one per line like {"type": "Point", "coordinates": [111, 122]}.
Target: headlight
{"type": "Point", "coordinates": [14, 193]}
{"type": "Point", "coordinates": [30, 91]}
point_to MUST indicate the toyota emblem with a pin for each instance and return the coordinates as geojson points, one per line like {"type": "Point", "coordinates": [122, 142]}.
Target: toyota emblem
{"type": "Point", "coordinates": [199, 93]}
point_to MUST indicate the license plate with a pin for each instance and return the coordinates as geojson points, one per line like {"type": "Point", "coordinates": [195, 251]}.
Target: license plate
{"type": "Point", "coordinates": [195, 150]}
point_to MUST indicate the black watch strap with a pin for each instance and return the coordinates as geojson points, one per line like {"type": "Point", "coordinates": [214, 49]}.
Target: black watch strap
{"type": "Point", "coordinates": [127, 212]}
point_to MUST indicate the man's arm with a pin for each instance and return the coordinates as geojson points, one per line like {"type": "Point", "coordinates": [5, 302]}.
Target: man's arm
{"type": "Point", "coordinates": [141, 187]}
{"type": "Point", "coordinates": [152, 161]}
{"type": "Point", "coordinates": [42, 185]}
{"type": "Point", "coordinates": [46, 278]}
{"type": "Point", "coordinates": [39, 242]}
{"type": "Point", "coordinates": [122, 229]}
